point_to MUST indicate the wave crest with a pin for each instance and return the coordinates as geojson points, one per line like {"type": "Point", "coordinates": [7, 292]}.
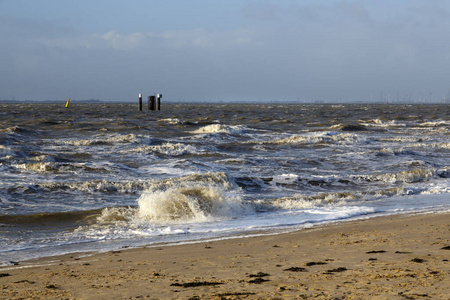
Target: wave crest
{"type": "Point", "coordinates": [328, 137]}
{"type": "Point", "coordinates": [170, 149]}
{"type": "Point", "coordinates": [410, 176]}
{"type": "Point", "coordinates": [220, 128]}
{"type": "Point", "coordinates": [112, 140]}
{"type": "Point", "coordinates": [194, 198]}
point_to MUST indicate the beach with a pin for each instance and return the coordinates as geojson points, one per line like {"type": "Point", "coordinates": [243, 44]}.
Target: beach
{"type": "Point", "coordinates": [390, 257]}
{"type": "Point", "coordinates": [224, 201]}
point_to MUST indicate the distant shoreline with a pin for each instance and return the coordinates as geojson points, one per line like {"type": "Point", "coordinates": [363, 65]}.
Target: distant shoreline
{"type": "Point", "coordinates": [234, 102]}
{"type": "Point", "coordinates": [47, 101]}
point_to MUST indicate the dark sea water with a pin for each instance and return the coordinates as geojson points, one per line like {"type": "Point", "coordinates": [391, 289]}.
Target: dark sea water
{"type": "Point", "coordinates": [96, 177]}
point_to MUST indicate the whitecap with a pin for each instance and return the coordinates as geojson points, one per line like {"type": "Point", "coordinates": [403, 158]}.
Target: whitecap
{"type": "Point", "coordinates": [171, 149]}
{"type": "Point", "coordinates": [193, 198]}
{"type": "Point", "coordinates": [327, 137]}
{"type": "Point", "coordinates": [221, 128]}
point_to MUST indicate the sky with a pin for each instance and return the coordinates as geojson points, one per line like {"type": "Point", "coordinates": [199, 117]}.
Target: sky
{"type": "Point", "coordinates": [233, 50]}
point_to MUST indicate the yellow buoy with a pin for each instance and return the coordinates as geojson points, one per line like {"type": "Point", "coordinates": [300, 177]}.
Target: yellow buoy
{"type": "Point", "coordinates": [67, 104]}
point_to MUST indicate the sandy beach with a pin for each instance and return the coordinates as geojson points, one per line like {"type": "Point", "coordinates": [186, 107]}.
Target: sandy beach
{"type": "Point", "coordinates": [396, 257]}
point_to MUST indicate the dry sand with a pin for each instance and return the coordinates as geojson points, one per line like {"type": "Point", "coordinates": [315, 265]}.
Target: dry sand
{"type": "Point", "coordinates": [398, 257]}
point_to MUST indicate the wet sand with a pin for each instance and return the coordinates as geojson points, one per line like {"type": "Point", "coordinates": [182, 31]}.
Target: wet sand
{"type": "Point", "coordinates": [397, 257]}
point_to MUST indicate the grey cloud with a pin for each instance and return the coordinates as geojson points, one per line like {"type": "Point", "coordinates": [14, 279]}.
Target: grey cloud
{"type": "Point", "coordinates": [313, 52]}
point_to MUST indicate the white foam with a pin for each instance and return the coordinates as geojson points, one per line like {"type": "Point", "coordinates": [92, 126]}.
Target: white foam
{"type": "Point", "coordinates": [43, 158]}
{"type": "Point", "coordinates": [410, 176]}
{"type": "Point", "coordinates": [194, 198]}
{"type": "Point", "coordinates": [442, 145]}
{"type": "Point", "coordinates": [300, 201]}
{"type": "Point", "coordinates": [114, 139]}
{"type": "Point", "coordinates": [48, 164]}
{"type": "Point", "coordinates": [221, 128]}
{"type": "Point", "coordinates": [189, 204]}
{"type": "Point", "coordinates": [171, 149]}
{"type": "Point", "coordinates": [172, 121]}
{"type": "Point", "coordinates": [435, 124]}
{"type": "Point", "coordinates": [285, 178]}
{"type": "Point", "coordinates": [37, 167]}
{"type": "Point", "coordinates": [326, 137]}
{"type": "Point", "coordinates": [381, 123]}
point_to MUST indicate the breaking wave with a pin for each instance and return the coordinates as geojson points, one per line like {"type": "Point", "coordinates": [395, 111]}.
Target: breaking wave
{"type": "Point", "coordinates": [103, 186]}
{"type": "Point", "coordinates": [300, 201]}
{"type": "Point", "coordinates": [328, 137]}
{"type": "Point", "coordinates": [48, 164]}
{"type": "Point", "coordinates": [340, 199]}
{"type": "Point", "coordinates": [220, 128]}
{"type": "Point", "coordinates": [417, 175]}
{"type": "Point", "coordinates": [111, 140]}
{"type": "Point", "coordinates": [436, 124]}
{"type": "Point", "coordinates": [170, 149]}
{"type": "Point", "coordinates": [410, 176]}
{"type": "Point", "coordinates": [193, 198]}
{"type": "Point", "coordinates": [381, 123]}
{"type": "Point", "coordinates": [172, 121]}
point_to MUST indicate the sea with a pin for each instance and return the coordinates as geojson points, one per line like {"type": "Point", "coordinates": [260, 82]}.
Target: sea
{"type": "Point", "coordinates": [96, 177]}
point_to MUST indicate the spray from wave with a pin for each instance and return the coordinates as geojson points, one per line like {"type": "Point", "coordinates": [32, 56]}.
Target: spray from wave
{"type": "Point", "coordinates": [167, 205]}
{"type": "Point", "coordinates": [193, 198]}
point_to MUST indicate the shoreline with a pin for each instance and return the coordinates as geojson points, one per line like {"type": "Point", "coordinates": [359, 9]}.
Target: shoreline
{"type": "Point", "coordinates": [38, 260]}
{"type": "Point", "coordinates": [395, 257]}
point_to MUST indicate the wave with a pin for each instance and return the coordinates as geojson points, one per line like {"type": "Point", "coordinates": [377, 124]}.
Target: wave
{"type": "Point", "coordinates": [403, 139]}
{"type": "Point", "coordinates": [221, 128]}
{"type": "Point", "coordinates": [327, 137]}
{"type": "Point", "coordinates": [442, 145]}
{"type": "Point", "coordinates": [47, 164]}
{"type": "Point", "coordinates": [410, 176]}
{"type": "Point", "coordinates": [350, 127]}
{"type": "Point", "coordinates": [435, 124]}
{"type": "Point", "coordinates": [38, 167]}
{"type": "Point", "coordinates": [193, 198]}
{"type": "Point", "coordinates": [340, 199]}
{"type": "Point", "coordinates": [7, 152]}
{"type": "Point", "coordinates": [397, 152]}
{"type": "Point", "coordinates": [89, 187]}
{"type": "Point", "coordinates": [16, 130]}
{"type": "Point", "coordinates": [381, 123]}
{"type": "Point", "coordinates": [116, 216]}
{"type": "Point", "coordinates": [170, 149]}
{"type": "Point", "coordinates": [70, 218]}
{"type": "Point", "coordinates": [300, 201]}
{"type": "Point", "coordinates": [417, 142]}
{"type": "Point", "coordinates": [175, 121]}
{"type": "Point", "coordinates": [111, 140]}
{"type": "Point", "coordinates": [43, 158]}
{"type": "Point", "coordinates": [296, 181]}
{"type": "Point", "coordinates": [189, 204]}
{"type": "Point", "coordinates": [102, 186]}
{"type": "Point", "coordinates": [15, 135]}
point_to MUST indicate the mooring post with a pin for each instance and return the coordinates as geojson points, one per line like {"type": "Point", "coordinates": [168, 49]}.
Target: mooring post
{"type": "Point", "coordinates": [159, 96]}
{"type": "Point", "coordinates": [140, 101]}
{"type": "Point", "coordinates": [151, 102]}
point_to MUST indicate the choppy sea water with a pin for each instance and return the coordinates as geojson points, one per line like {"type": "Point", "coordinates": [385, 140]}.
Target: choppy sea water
{"type": "Point", "coordinates": [97, 177]}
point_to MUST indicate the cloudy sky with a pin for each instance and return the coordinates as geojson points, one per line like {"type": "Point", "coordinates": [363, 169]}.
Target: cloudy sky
{"type": "Point", "coordinates": [233, 50]}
